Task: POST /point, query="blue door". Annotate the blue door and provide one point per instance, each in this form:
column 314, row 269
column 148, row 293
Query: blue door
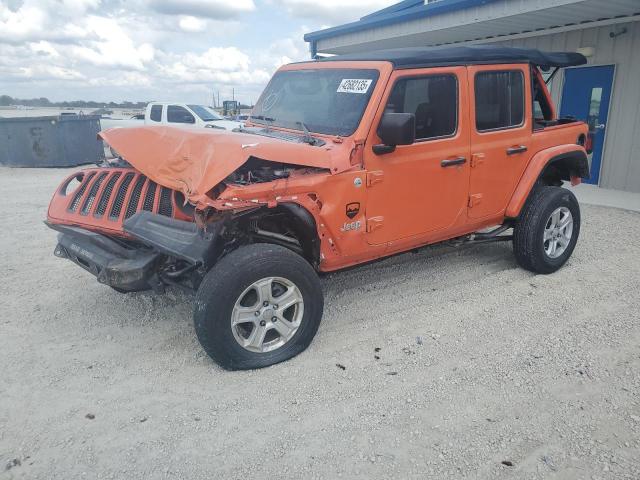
column 586, row 96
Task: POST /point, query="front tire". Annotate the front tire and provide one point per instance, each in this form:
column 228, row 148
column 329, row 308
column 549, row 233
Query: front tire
column 258, row 306
column 547, row 232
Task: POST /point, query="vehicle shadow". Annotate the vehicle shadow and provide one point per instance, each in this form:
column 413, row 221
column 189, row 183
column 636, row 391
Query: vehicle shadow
column 438, row 265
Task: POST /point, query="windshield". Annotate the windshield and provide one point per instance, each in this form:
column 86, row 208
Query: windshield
column 204, row 113
column 327, row 101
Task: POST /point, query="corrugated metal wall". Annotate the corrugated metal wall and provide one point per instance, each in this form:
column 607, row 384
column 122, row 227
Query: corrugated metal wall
column 621, row 156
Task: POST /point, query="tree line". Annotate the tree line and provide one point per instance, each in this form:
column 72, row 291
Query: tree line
column 6, row 101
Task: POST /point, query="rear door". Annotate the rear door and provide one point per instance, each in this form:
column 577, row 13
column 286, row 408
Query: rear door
column 422, row 187
column 500, row 135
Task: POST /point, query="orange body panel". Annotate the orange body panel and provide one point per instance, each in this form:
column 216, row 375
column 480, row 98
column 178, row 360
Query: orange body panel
column 366, row 206
column 493, row 179
column 415, row 195
column 531, row 174
column 107, row 197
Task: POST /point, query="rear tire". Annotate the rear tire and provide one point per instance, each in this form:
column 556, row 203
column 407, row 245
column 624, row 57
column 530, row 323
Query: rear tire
column 547, row 231
column 237, row 317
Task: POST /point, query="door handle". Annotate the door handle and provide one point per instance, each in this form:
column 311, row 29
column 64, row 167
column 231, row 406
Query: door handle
column 600, row 126
column 516, row 150
column 452, row 162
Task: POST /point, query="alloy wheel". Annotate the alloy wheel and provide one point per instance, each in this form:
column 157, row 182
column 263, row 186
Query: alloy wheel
column 267, row 314
column 558, row 231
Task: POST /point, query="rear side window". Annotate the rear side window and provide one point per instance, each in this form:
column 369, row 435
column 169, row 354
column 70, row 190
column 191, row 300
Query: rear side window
column 499, row 100
column 178, row 114
column 432, row 99
column 156, row 113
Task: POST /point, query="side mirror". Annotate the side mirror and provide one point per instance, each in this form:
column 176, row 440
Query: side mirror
column 396, row 129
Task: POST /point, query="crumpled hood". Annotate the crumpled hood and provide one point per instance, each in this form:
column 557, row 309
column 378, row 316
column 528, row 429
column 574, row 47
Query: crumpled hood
column 194, row 161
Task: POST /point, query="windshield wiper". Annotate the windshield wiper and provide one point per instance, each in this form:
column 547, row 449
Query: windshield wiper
column 262, row 117
column 307, row 134
column 269, row 120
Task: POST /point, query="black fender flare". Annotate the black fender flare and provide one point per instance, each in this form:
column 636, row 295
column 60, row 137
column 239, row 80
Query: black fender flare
column 567, row 165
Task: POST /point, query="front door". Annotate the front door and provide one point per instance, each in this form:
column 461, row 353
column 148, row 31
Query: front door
column 500, row 135
column 423, row 187
column 586, row 95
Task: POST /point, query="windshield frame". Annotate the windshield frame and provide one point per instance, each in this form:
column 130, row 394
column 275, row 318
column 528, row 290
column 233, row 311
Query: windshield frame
column 213, row 117
column 383, row 70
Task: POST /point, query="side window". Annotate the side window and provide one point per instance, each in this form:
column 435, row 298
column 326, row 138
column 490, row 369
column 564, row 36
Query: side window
column 178, row 114
column 434, row 101
column 499, row 100
column 156, row 113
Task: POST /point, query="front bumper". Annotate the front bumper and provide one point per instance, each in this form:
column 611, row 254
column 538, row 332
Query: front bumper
column 159, row 243
column 113, row 263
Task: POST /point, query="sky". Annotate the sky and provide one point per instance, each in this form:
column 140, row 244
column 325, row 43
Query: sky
column 163, row 50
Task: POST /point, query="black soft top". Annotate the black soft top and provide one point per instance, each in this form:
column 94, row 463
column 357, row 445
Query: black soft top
column 464, row 55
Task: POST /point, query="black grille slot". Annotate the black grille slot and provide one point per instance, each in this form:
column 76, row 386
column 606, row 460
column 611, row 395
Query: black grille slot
column 116, row 208
column 106, row 195
column 149, row 197
column 75, row 201
column 132, row 207
column 93, row 192
column 165, row 208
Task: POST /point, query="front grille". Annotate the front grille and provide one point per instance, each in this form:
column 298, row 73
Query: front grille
column 93, row 192
column 75, row 201
column 111, row 196
column 135, row 197
column 165, row 207
column 106, row 195
column 116, row 208
column 150, row 197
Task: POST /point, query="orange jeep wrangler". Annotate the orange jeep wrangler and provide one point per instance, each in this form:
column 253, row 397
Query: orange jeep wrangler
column 343, row 161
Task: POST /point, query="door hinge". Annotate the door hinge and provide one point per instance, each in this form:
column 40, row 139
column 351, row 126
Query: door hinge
column 477, row 159
column 374, row 177
column 475, row 199
column 374, row 223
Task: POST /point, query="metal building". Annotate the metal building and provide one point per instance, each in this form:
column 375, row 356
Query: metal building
column 606, row 92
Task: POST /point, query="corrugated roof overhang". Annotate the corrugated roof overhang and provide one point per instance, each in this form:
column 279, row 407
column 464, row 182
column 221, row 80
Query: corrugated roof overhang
column 414, row 23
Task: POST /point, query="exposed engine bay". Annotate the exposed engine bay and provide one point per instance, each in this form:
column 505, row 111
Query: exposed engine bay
column 256, row 170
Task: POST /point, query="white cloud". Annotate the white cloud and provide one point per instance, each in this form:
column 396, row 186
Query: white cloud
column 218, row 9
column 217, row 65
column 285, row 50
column 22, row 23
column 114, row 46
column 77, row 7
column 145, row 49
column 44, row 48
column 122, row 80
column 49, row 72
column 192, row 24
column 333, row 11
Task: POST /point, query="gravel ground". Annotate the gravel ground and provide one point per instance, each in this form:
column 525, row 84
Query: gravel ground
column 447, row 363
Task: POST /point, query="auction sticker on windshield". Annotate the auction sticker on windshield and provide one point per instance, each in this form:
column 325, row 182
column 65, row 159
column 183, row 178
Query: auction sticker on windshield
column 354, row 85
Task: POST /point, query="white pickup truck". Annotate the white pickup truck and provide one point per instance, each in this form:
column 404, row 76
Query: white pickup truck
column 159, row 113
column 176, row 114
